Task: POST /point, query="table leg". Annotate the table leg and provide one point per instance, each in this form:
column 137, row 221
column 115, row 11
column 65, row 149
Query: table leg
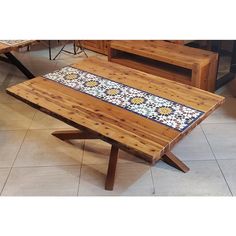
column 110, row 179
column 174, row 161
column 77, row 134
column 50, row 49
column 168, row 157
column 19, row 65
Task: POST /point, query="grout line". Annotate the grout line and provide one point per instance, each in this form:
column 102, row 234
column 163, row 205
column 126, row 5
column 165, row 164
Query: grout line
column 13, row 162
column 32, row 120
column 19, row 167
column 63, row 128
column 153, row 183
column 217, row 162
column 81, row 168
column 27, row 131
column 216, row 123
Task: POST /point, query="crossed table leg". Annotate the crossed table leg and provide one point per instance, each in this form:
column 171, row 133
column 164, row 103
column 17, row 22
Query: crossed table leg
column 10, row 58
column 168, row 157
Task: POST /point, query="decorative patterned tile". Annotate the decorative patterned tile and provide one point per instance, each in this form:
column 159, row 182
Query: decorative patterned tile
column 158, row 109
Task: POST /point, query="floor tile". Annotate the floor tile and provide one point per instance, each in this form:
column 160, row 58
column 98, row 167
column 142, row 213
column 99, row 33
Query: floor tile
column 203, row 179
column 44, row 121
column 12, row 80
column 43, row 181
column 9, row 75
column 40, row 148
column 224, row 114
column 5, row 69
column 133, row 179
column 97, row 152
column 228, row 90
column 15, row 115
column 228, row 168
column 40, row 49
column 65, row 59
column 10, row 142
column 6, row 98
column 188, row 147
column 222, row 139
column 39, row 65
column 3, row 176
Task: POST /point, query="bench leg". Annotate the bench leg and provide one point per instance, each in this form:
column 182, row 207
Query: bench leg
column 74, row 134
column 174, row 161
column 110, row 179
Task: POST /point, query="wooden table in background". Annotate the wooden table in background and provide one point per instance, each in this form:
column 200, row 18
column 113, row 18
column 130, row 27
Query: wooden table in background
column 10, row 58
column 123, row 129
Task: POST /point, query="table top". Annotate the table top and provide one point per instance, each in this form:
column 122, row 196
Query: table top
column 165, row 51
column 5, row 47
column 127, row 128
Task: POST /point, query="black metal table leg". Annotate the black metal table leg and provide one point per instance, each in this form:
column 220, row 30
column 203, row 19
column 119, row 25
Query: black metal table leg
column 74, row 47
column 75, row 50
column 49, row 49
column 61, row 50
column 229, row 76
column 19, row 65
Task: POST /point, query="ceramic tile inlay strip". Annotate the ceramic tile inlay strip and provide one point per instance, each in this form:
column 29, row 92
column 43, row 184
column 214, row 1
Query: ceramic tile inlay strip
column 153, row 107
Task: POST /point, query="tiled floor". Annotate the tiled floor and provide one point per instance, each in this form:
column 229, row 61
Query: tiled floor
column 32, row 162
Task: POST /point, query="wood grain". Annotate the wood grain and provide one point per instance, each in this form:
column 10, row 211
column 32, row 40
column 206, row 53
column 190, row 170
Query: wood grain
column 6, row 48
column 176, row 62
column 100, row 46
column 125, row 128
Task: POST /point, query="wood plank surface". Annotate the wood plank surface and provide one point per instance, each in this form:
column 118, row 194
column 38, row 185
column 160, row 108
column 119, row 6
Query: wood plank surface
column 164, row 51
column 131, row 130
column 191, row 66
column 8, row 48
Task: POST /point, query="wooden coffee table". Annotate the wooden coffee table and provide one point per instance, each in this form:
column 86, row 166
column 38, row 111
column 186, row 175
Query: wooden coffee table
column 132, row 110
column 6, row 46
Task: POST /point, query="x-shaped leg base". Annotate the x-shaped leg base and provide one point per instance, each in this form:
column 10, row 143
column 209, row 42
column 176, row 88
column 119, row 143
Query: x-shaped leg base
column 169, row 157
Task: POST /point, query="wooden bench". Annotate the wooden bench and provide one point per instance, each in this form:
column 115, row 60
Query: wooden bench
column 89, row 111
column 191, row 66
